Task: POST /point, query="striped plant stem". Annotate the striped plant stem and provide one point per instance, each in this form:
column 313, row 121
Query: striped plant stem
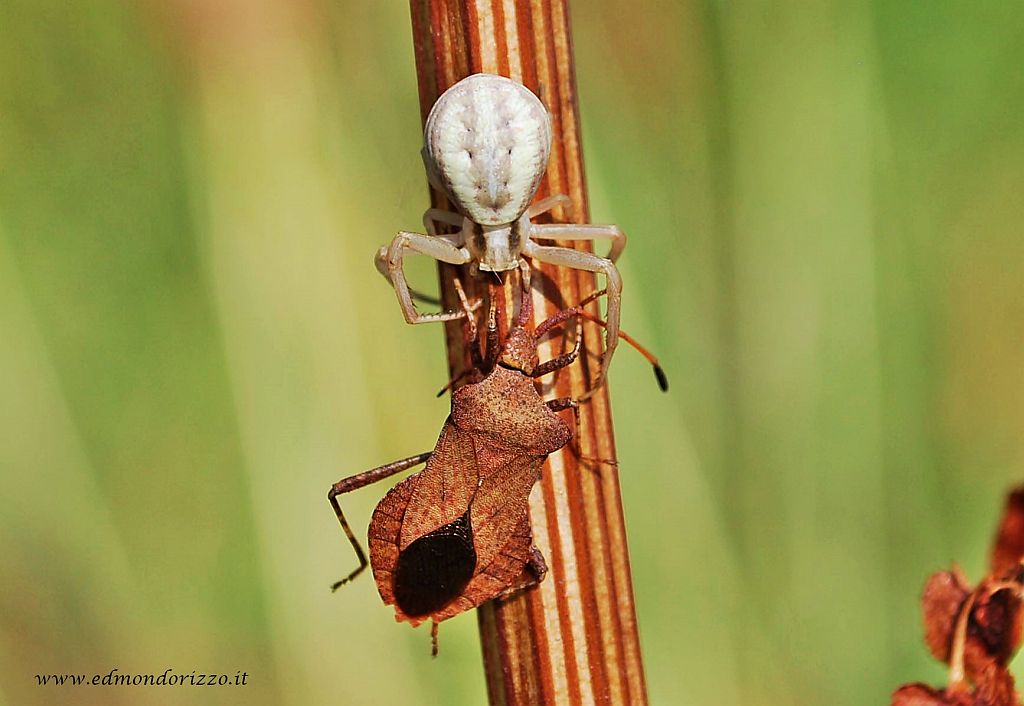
column 572, row 639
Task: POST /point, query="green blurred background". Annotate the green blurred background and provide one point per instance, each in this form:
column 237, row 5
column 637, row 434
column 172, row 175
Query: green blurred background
column 824, row 203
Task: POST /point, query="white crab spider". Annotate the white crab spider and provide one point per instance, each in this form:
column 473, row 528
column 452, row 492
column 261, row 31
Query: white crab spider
column 486, row 146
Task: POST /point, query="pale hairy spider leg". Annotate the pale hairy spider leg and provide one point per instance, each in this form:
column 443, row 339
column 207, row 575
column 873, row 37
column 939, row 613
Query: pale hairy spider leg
column 587, row 231
column 430, row 216
column 439, row 215
column 431, row 247
column 579, row 260
column 380, row 261
column 547, row 203
column 347, row 485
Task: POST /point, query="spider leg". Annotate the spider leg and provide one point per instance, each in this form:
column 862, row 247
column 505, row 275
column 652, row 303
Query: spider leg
column 547, row 203
column 587, row 231
column 390, row 261
column 430, row 217
column 438, row 215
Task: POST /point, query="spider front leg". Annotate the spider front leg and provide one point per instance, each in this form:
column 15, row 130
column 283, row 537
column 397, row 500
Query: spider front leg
column 579, row 260
column 431, row 217
column 390, row 262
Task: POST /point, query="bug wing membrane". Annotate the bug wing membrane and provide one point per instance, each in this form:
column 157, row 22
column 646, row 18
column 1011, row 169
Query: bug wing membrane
column 493, row 576
column 421, row 541
column 501, row 503
column 507, row 569
column 434, row 569
column 444, row 488
column 446, row 539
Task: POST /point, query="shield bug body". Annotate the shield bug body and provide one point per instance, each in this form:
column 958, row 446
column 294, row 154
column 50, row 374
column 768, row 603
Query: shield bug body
column 457, row 533
column 486, row 146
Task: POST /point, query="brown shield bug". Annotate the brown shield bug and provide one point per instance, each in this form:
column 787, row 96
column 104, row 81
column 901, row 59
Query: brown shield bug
column 457, row 533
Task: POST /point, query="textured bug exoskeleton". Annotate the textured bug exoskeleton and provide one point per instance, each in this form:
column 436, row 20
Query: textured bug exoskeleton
column 457, row 533
column 486, row 146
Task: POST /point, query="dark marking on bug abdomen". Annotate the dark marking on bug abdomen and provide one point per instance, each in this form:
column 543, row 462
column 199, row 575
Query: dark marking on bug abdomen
column 434, row 569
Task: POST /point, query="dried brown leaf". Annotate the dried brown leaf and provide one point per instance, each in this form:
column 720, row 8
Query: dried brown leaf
column 923, row 695
column 1008, row 548
column 976, row 631
column 995, row 687
column 994, row 631
column 941, row 600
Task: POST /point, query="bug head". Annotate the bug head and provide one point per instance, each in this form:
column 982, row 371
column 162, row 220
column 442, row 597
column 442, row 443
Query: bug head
column 486, row 146
column 520, row 351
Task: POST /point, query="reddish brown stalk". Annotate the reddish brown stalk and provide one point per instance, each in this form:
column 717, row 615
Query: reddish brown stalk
column 573, row 639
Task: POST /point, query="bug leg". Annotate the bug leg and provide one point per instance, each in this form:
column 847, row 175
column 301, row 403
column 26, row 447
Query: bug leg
column 390, row 262
column 525, row 294
column 547, row 203
column 347, row 485
column 577, row 259
column 537, row 565
column 586, row 231
column 453, row 383
column 558, row 317
column 492, row 347
column 566, row 314
column 561, row 403
column 565, row 359
column 533, row 573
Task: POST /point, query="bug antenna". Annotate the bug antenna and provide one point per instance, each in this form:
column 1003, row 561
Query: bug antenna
column 659, row 372
column 455, row 381
column 662, row 378
column 433, row 639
